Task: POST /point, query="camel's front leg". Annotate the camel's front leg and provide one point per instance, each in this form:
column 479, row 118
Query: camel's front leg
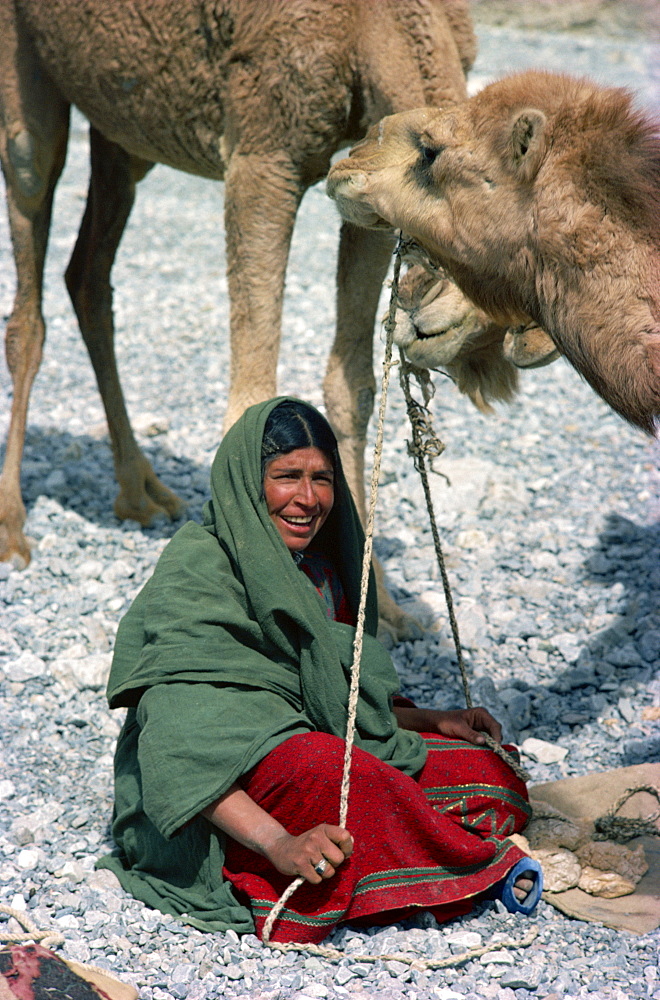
column 114, row 174
column 262, row 195
column 349, row 384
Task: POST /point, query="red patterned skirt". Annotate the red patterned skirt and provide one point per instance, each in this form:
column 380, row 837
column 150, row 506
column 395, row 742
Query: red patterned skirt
column 434, row 842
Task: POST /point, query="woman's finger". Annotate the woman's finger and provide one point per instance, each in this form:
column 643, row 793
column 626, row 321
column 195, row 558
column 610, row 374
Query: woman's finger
column 323, row 870
column 341, row 837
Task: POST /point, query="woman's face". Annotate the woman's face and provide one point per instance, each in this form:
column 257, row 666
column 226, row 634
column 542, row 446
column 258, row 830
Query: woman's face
column 299, row 491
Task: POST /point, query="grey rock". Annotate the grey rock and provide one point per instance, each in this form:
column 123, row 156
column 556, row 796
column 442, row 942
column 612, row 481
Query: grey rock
column 649, row 645
column 624, row 656
column 522, row 977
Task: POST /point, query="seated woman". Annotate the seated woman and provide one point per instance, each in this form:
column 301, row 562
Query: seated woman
column 234, row 664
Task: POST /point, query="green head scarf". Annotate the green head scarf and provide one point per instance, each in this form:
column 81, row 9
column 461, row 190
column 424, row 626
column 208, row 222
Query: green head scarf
column 227, row 604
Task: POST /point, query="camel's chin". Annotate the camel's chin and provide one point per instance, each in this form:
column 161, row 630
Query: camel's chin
column 424, row 355
column 429, row 352
column 348, row 193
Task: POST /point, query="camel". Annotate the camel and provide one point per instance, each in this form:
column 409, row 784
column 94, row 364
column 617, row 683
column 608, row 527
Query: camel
column 540, row 197
column 260, row 95
column 437, row 327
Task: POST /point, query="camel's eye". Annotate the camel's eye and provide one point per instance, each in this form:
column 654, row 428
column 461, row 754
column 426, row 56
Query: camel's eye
column 430, row 154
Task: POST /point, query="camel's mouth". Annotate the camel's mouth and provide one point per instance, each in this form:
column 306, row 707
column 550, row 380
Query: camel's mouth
column 349, row 191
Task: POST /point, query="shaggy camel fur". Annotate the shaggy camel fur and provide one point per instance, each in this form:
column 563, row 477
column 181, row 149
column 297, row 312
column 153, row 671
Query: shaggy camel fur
column 258, row 94
column 540, row 196
column 438, row 327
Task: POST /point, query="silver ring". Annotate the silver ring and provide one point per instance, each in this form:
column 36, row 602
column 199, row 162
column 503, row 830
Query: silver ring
column 321, row 866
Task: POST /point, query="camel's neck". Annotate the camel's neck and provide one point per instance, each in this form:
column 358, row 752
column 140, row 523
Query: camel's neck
column 606, row 323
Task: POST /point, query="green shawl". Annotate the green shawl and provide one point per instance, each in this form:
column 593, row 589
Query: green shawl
column 225, row 653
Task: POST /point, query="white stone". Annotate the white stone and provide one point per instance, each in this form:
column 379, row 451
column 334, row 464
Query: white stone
column 72, row 872
column 28, row 859
column 497, row 958
column 89, row 672
column 568, row 645
column 472, row 538
column 472, row 624
column 39, row 818
column 543, row 752
column 90, row 569
column 7, row 789
column 26, row 667
column 464, row 939
column 104, row 880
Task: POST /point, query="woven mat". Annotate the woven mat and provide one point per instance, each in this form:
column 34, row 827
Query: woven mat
column 587, row 798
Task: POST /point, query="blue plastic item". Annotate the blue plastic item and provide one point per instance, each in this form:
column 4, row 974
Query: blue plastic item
column 533, row 870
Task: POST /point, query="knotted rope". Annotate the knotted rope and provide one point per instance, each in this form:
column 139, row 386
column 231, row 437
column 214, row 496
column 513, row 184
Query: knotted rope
column 624, row 828
column 424, row 443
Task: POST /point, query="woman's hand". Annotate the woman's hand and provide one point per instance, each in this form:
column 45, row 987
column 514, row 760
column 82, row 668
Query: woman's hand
column 298, row 855
column 460, row 724
column 243, row 819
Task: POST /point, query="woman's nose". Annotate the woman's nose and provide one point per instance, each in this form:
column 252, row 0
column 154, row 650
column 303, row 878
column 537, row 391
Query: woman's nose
column 306, row 492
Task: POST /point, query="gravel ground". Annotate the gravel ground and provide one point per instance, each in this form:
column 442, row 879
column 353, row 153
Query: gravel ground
column 551, row 526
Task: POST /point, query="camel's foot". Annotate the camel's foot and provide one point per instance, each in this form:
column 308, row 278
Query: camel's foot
column 14, row 546
column 147, row 500
column 394, row 625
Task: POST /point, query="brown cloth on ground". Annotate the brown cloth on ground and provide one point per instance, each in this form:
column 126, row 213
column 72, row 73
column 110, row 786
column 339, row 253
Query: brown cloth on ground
column 31, row 971
column 586, row 799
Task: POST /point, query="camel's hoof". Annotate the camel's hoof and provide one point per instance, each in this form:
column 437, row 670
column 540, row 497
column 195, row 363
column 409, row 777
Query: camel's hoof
column 145, row 510
column 14, row 548
column 19, row 561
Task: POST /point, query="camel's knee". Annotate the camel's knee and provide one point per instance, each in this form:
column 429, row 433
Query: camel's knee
column 32, row 162
column 23, row 160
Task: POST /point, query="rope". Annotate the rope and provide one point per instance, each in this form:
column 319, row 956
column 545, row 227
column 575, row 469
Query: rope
column 354, row 689
column 624, row 828
column 425, row 443
column 49, row 939
column 335, row 955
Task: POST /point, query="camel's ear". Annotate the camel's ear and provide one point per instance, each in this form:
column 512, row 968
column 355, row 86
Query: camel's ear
column 527, row 143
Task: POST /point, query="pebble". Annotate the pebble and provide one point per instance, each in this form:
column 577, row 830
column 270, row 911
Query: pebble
column 542, row 751
column 550, row 526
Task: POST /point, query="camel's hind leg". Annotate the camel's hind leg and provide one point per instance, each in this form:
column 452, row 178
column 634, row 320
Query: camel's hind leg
column 114, row 175
column 34, row 123
column 349, row 384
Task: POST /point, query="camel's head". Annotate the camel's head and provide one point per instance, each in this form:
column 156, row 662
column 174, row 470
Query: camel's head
column 438, row 327
column 523, row 173
column 540, row 197
column 454, row 180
